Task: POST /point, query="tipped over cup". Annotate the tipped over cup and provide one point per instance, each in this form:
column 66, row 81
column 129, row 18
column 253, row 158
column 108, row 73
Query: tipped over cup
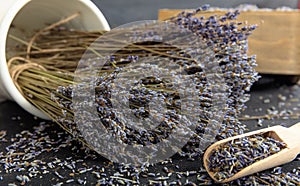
column 22, row 18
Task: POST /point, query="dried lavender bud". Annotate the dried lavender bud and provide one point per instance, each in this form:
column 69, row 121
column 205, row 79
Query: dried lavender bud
column 233, row 156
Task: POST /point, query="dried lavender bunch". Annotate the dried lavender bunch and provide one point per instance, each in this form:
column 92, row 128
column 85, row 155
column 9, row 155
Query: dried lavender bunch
column 228, row 39
column 233, row 156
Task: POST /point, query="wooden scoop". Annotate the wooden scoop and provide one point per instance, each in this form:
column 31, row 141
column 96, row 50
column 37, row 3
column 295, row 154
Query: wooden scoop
column 290, row 136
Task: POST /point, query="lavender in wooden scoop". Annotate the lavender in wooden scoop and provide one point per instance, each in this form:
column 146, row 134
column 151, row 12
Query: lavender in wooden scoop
column 235, row 155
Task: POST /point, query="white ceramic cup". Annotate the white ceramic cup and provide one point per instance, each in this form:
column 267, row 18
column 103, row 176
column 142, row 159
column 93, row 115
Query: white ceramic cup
column 22, row 17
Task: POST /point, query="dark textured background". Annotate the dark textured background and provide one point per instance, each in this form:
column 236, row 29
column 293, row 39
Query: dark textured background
column 119, row 12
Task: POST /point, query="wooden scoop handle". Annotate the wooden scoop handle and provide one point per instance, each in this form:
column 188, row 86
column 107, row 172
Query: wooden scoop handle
column 296, row 127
